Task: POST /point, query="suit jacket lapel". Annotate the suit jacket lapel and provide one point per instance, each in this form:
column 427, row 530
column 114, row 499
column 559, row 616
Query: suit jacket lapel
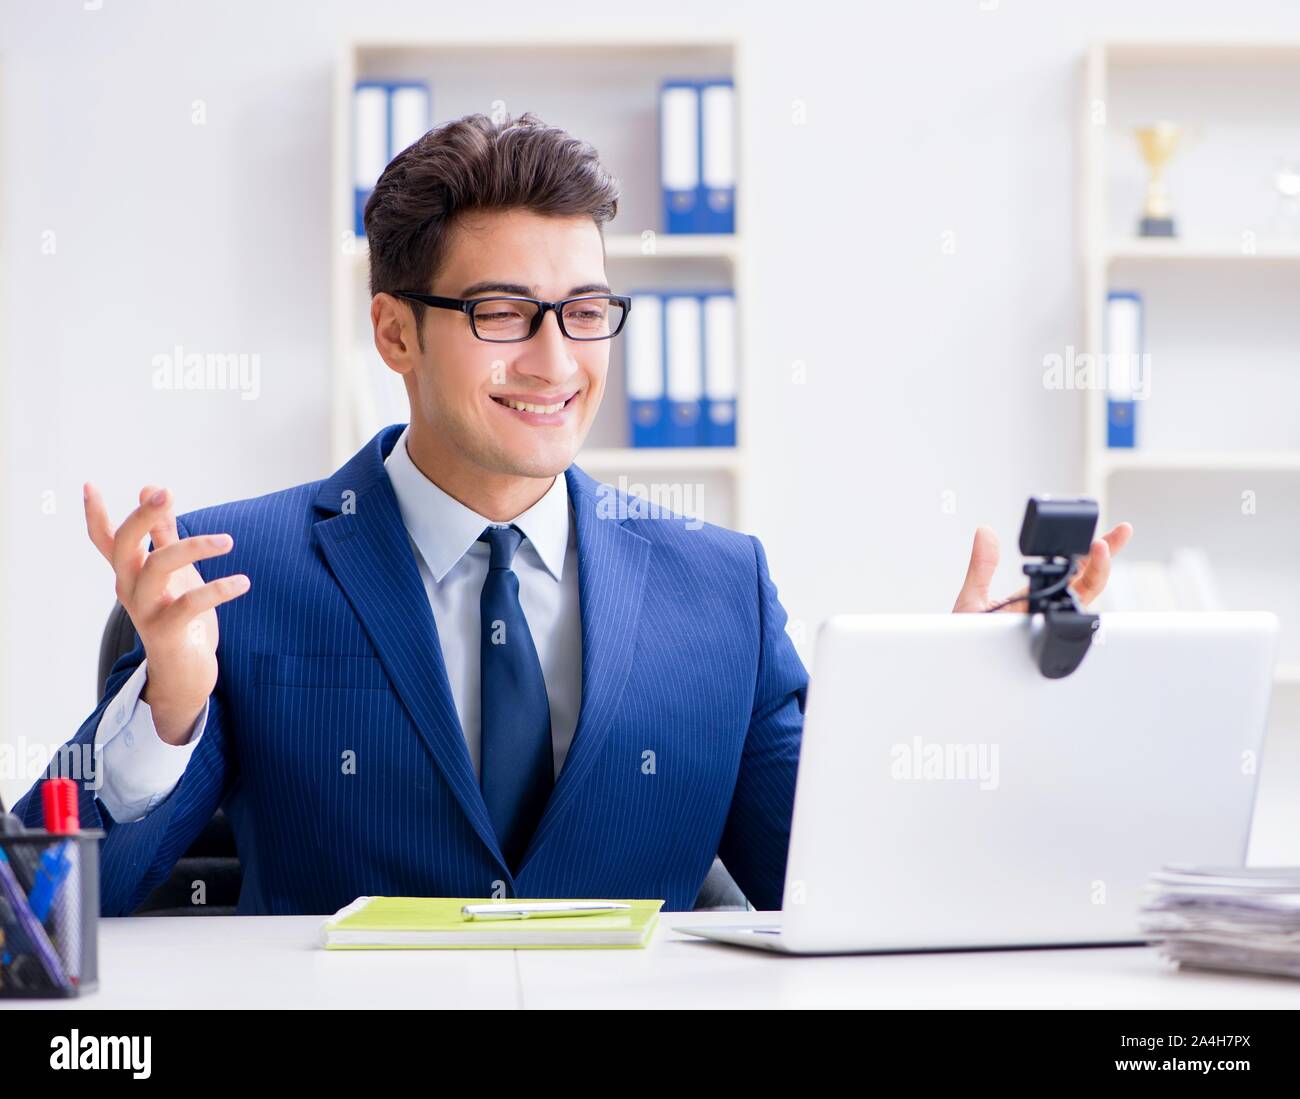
column 367, row 548
column 612, row 564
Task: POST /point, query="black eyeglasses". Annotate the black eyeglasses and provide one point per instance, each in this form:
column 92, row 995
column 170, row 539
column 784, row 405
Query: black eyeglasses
column 509, row 320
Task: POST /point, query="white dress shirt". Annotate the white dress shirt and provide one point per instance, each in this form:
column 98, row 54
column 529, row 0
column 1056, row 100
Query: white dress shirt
column 138, row 769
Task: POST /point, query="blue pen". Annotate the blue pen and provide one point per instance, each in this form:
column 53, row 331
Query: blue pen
column 55, row 867
column 50, row 874
column 31, row 926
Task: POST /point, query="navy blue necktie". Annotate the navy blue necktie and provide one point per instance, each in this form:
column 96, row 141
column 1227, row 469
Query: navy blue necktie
column 517, row 769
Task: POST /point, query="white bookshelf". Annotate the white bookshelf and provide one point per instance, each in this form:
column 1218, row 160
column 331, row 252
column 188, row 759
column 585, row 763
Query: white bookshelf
column 1182, row 461
column 1223, row 250
column 604, row 90
column 1223, row 328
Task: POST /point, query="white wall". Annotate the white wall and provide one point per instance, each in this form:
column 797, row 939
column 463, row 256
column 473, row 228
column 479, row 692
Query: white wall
column 922, row 119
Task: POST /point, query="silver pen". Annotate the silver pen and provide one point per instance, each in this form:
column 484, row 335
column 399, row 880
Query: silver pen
column 533, row 910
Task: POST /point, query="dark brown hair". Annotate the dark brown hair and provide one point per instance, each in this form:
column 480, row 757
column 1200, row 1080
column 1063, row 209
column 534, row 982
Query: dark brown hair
column 474, row 163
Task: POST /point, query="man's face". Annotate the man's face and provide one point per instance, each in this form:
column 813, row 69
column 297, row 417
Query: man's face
column 461, row 383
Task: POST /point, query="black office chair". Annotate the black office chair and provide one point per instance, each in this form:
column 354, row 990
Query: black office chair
column 213, row 859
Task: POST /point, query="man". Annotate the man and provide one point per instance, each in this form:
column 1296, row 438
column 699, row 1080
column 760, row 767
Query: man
column 454, row 668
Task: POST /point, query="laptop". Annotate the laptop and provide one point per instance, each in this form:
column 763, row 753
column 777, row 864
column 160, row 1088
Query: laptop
column 950, row 797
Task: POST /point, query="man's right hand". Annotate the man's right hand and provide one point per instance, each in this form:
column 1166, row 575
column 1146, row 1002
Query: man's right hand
column 169, row 604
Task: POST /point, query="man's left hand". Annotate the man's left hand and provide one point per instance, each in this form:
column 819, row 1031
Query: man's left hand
column 1088, row 582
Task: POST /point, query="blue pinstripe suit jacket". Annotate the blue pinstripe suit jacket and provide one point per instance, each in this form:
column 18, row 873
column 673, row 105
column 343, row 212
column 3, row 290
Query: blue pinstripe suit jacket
column 334, row 744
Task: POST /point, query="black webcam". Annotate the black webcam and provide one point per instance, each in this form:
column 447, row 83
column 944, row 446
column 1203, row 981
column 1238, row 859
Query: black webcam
column 1060, row 532
column 1058, row 528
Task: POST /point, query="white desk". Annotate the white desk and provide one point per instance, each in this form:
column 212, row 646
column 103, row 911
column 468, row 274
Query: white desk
column 276, row 962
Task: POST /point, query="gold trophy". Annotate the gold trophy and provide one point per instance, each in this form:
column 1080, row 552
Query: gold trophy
column 1157, row 142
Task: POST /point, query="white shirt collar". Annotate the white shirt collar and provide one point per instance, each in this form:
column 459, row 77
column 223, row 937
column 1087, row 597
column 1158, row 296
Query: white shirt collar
column 444, row 529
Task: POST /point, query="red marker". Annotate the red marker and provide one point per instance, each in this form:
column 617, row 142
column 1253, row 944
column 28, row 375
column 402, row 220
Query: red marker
column 59, row 801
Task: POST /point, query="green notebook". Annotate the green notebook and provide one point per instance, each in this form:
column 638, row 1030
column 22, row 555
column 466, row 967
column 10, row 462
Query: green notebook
column 435, row 923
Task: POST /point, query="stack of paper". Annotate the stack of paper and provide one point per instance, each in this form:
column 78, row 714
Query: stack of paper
column 1226, row 918
column 432, row 923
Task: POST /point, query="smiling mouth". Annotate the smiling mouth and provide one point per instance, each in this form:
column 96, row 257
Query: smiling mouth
column 526, row 406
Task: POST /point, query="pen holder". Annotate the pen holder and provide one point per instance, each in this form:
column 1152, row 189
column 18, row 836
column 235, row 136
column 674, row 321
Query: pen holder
column 49, row 914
